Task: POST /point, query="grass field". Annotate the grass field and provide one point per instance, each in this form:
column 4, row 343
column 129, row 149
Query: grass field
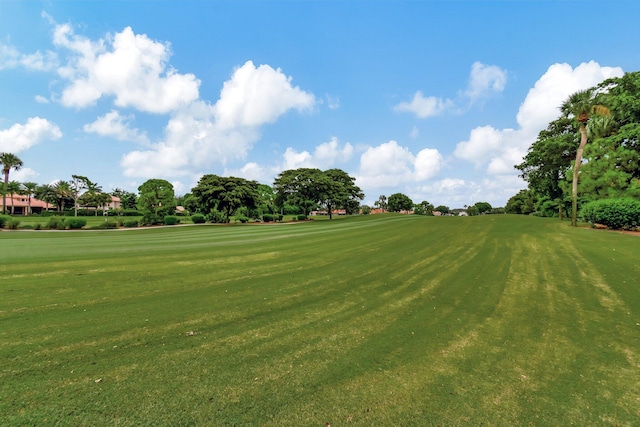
column 380, row 320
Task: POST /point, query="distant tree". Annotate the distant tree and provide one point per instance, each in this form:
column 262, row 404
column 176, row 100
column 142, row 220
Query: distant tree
column 156, row 201
column 338, row 189
column 225, row 194
column 399, row 202
column 366, row 210
column 522, row 203
column 8, row 161
column 128, row 200
column 29, row 189
column 298, row 187
column 63, row 193
column 423, row 208
column 13, row 187
column 77, row 186
column 483, row 207
column 266, row 202
column 442, row 209
column 381, row 203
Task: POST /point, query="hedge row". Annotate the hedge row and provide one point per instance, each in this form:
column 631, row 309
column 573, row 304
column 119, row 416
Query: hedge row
column 614, row 213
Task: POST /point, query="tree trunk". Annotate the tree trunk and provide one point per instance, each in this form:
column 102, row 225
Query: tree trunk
column 576, row 169
column 4, row 192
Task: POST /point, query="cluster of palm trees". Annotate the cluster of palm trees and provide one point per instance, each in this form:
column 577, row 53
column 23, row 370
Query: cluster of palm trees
column 80, row 189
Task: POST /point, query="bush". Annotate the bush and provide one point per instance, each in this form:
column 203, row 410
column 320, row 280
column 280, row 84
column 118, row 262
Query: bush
column 54, row 223
column 171, row 220
column 4, row 220
column 217, row 217
column 198, row 219
column 614, row 213
column 242, row 218
column 130, row 223
column 267, row 217
column 13, row 224
column 38, row 226
column 75, row 223
column 107, row 225
column 300, row 217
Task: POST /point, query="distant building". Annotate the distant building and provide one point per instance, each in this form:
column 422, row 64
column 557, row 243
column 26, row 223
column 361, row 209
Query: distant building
column 18, row 204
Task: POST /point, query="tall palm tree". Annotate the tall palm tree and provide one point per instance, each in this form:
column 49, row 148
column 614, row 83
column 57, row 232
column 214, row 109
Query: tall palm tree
column 29, row 189
column 13, row 188
column 582, row 106
column 63, row 191
column 9, row 161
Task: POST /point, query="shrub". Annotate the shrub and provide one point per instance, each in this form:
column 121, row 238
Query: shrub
column 267, row 217
column 301, row 217
column 38, row 226
column 242, row 218
column 26, row 227
column 130, row 223
column 171, row 220
column 54, row 223
column 75, row 223
column 217, row 217
column 13, row 224
column 614, row 213
column 105, row 225
column 198, row 219
column 4, row 220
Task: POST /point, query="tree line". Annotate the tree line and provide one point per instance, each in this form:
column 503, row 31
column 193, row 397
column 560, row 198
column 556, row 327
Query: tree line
column 591, row 152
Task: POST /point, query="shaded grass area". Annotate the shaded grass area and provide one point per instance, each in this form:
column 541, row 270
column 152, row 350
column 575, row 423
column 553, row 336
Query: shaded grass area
column 392, row 319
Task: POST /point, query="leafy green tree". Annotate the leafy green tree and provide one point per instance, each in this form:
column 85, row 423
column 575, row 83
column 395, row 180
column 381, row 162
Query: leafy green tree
column 299, row 187
column 77, row 185
column 156, row 200
column 8, row 161
column 29, row 189
column 442, row 209
column 128, row 200
column 581, row 106
column 522, row 203
column 398, row 202
column 548, row 160
column 225, row 194
column 366, row 209
column 266, row 202
column 483, row 207
column 338, row 189
column 423, row 208
column 381, row 203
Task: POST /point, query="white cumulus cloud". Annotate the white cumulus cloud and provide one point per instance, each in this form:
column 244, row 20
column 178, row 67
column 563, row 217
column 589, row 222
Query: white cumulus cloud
column 258, row 95
column 117, row 126
column 201, row 134
column 324, row 156
column 10, row 57
column 389, row 165
column 130, row 67
column 424, row 107
column 484, row 81
column 20, row 137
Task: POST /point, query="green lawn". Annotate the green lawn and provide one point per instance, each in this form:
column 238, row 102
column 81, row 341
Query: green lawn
column 377, row 320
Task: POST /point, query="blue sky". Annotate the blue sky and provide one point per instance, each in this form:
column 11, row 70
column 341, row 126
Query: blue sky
column 434, row 99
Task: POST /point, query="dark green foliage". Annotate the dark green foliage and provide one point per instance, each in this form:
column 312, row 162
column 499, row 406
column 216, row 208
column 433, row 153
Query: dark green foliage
column 216, row 217
column 107, row 225
column 156, row 201
column 366, row 210
column 13, row 224
column 267, row 218
column 299, row 217
column 130, row 223
column 55, row 223
column 399, row 202
column 75, row 223
column 614, row 213
column 225, row 194
column 198, row 219
column 4, row 220
column 242, row 218
column 171, row 220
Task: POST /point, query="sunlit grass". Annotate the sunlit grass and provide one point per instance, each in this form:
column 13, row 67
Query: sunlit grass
column 380, row 320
